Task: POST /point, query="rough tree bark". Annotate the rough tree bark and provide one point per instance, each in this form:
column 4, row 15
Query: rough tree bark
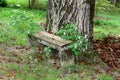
column 79, row 12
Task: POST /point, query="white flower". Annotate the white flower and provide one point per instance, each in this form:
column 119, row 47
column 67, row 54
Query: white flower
column 86, row 39
column 79, row 37
column 28, row 32
column 80, row 42
column 75, row 46
column 62, row 27
column 86, row 47
column 64, row 33
column 18, row 5
column 85, row 36
column 83, row 50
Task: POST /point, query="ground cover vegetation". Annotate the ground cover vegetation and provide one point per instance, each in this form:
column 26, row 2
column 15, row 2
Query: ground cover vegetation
column 17, row 61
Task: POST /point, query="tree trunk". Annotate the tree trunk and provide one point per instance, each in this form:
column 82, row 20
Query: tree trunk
column 29, row 3
column 34, row 4
column 118, row 3
column 113, row 1
column 79, row 12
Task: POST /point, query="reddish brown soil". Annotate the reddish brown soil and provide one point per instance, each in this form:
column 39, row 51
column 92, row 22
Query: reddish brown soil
column 108, row 50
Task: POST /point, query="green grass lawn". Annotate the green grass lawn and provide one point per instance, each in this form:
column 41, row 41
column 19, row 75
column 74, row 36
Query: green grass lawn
column 106, row 24
column 15, row 23
column 15, row 65
column 25, row 3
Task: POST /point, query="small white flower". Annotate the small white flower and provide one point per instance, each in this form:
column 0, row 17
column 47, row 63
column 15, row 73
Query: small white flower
column 83, row 50
column 86, row 47
column 75, row 46
column 85, row 36
column 18, row 5
column 79, row 37
column 80, row 42
column 86, row 39
column 28, row 32
column 64, row 33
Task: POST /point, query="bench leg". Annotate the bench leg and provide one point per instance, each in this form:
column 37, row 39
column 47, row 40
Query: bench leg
column 61, row 54
column 65, row 59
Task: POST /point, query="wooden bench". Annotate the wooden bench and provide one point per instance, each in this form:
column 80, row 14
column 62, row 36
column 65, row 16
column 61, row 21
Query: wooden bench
column 53, row 41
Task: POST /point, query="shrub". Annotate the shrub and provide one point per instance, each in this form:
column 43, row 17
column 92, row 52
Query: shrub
column 3, row 3
column 70, row 33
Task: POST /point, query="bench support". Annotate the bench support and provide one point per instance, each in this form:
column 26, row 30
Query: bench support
column 58, row 46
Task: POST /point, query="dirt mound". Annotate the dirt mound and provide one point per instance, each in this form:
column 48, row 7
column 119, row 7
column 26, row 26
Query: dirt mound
column 108, row 50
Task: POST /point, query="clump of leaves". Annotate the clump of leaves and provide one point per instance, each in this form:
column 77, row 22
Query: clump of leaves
column 69, row 32
column 47, row 50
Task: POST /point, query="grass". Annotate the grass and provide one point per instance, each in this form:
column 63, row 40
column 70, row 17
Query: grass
column 106, row 24
column 21, row 21
column 33, row 70
column 15, row 23
column 25, row 4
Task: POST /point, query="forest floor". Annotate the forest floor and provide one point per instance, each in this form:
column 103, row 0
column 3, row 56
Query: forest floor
column 108, row 50
column 18, row 63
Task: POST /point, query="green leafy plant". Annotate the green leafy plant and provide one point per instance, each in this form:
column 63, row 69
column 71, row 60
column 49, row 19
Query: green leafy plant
column 70, row 33
column 47, row 50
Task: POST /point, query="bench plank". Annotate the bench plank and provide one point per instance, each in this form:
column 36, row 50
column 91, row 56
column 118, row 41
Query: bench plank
column 53, row 39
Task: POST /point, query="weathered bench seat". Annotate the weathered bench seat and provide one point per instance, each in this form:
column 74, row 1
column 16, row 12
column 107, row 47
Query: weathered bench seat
column 53, row 41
